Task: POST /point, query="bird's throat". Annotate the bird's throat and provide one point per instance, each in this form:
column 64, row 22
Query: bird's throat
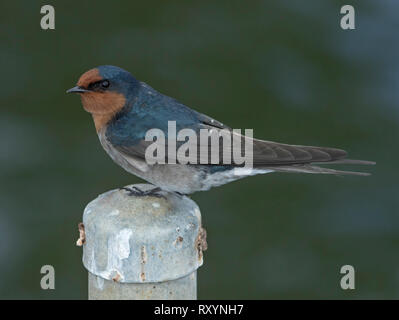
column 103, row 106
column 101, row 120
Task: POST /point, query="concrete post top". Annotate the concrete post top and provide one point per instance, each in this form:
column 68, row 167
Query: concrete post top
column 141, row 239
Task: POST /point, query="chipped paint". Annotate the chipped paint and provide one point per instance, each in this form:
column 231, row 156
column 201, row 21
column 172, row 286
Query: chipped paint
column 117, row 277
column 82, row 236
column 143, row 255
column 138, row 244
column 143, row 261
column 201, row 243
column 121, row 244
column 114, row 212
column 178, row 242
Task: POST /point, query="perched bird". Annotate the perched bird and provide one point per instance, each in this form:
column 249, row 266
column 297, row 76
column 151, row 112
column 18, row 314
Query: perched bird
column 124, row 109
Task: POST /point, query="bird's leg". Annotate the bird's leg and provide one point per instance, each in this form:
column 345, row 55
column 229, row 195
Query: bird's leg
column 134, row 191
column 153, row 192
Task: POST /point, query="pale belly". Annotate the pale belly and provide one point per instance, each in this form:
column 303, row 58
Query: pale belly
column 180, row 178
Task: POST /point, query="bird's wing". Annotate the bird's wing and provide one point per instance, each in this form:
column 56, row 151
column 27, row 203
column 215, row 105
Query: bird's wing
column 128, row 133
column 265, row 153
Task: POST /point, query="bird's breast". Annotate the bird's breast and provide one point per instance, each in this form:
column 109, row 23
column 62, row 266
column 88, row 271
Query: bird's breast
column 103, row 106
column 130, row 164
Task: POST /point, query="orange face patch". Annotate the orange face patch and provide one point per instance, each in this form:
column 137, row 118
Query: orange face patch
column 103, row 106
column 93, row 75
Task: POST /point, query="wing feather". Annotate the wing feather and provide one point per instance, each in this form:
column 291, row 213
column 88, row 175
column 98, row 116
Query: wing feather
column 266, row 154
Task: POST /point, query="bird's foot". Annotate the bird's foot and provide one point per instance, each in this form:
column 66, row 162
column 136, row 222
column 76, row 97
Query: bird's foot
column 134, row 191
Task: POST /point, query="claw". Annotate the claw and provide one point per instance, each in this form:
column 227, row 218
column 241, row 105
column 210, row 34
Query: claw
column 134, row 191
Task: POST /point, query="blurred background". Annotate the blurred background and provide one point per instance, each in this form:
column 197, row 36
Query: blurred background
column 284, row 68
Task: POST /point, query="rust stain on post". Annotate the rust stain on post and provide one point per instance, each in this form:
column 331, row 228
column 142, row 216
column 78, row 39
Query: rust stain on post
column 82, row 236
column 201, row 243
column 143, row 256
column 117, row 277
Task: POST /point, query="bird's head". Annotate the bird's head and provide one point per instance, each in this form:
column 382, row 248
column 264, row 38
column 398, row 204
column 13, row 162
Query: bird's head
column 105, row 91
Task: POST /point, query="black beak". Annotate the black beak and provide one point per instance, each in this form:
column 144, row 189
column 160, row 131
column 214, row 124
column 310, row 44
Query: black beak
column 77, row 89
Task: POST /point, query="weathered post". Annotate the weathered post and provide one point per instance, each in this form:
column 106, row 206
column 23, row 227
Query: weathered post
column 144, row 247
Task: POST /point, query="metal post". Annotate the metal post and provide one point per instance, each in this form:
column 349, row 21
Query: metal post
column 142, row 247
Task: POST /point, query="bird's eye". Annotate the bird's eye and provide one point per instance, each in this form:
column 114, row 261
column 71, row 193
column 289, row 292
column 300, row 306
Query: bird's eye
column 105, row 84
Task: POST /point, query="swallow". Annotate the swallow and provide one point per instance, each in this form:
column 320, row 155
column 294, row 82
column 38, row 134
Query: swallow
column 124, row 109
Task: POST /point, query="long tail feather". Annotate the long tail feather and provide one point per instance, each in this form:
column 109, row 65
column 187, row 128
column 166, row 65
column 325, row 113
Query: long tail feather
column 348, row 161
column 315, row 169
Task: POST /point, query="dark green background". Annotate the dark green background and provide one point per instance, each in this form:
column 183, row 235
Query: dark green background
column 284, row 68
